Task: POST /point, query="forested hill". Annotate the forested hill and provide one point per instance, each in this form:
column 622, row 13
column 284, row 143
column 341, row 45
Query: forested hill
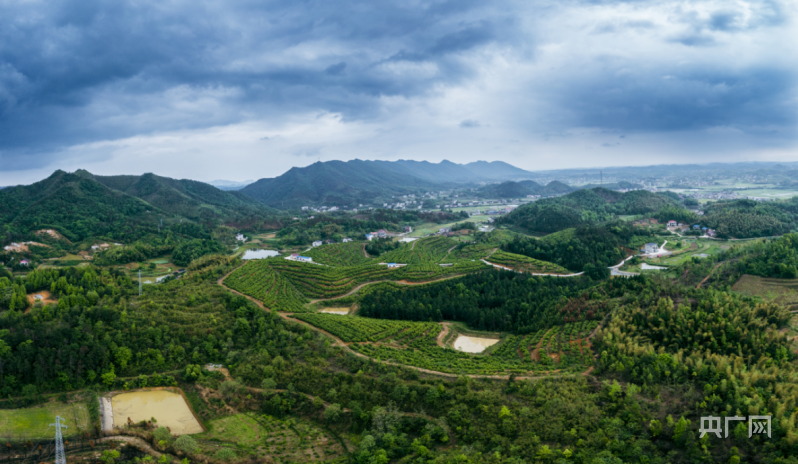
column 748, row 218
column 338, row 183
column 335, row 183
column 76, row 205
column 588, row 206
column 187, row 198
column 124, row 208
column 511, row 189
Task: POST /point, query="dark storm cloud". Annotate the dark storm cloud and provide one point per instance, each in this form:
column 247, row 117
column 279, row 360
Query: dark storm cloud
column 77, row 71
column 693, row 99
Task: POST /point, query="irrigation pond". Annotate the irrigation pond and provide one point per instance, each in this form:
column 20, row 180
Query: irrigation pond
column 167, row 407
column 469, row 344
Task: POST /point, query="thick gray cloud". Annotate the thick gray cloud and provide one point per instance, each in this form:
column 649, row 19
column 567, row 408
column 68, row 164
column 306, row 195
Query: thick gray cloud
column 92, row 82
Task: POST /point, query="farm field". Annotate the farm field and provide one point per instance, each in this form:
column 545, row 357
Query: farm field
column 264, row 436
column 339, row 254
column 526, row 264
column 428, row 250
column 781, row 291
column 257, row 279
column 414, row 344
column 316, row 281
column 34, row 423
column 361, row 329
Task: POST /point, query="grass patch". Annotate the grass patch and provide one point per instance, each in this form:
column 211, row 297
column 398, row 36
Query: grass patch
column 34, row 423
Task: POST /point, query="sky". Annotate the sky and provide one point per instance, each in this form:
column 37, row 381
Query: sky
column 241, row 90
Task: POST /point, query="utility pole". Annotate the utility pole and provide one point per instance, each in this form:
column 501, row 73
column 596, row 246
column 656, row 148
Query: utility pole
column 601, row 173
column 139, row 280
column 60, row 457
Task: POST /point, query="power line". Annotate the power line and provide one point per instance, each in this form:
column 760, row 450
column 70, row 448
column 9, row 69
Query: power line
column 60, row 457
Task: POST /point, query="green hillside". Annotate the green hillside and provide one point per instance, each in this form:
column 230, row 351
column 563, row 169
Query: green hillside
column 77, row 206
column 585, row 206
column 523, row 188
column 186, row 198
column 748, row 218
column 335, row 183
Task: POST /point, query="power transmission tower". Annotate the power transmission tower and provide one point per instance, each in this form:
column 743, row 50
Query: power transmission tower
column 601, row 173
column 139, row 281
column 60, row 457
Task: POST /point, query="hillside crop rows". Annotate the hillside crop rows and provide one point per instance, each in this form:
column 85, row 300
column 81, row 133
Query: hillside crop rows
column 475, row 251
column 258, row 280
column 361, row 329
column 526, row 264
column 326, row 282
column 427, row 250
column 417, row 345
column 339, row 254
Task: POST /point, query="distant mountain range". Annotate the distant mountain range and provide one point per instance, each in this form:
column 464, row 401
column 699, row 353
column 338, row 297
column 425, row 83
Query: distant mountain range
column 339, row 183
column 230, row 184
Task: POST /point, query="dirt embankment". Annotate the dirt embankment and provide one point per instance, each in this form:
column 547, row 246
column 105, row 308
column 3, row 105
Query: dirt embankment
column 46, row 298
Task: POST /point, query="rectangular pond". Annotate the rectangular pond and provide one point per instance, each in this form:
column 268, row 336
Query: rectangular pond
column 167, row 407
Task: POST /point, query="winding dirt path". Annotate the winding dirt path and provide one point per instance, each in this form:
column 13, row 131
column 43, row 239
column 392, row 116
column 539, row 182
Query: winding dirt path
column 708, row 275
column 535, row 354
column 365, row 253
column 443, row 334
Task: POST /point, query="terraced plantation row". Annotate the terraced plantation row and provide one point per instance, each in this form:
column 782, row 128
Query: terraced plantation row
column 327, row 282
column 427, row 250
column 475, row 251
column 258, row 280
column 339, row 254
column 353, row 329
column 526, row 264
column 414, row 344
column 557, row 341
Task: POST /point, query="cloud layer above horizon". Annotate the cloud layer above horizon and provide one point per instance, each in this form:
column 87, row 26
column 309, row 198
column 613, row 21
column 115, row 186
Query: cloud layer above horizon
column 237, row 90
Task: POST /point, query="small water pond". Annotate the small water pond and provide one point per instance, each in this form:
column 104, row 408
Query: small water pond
column 259, row 254
column 471, row 344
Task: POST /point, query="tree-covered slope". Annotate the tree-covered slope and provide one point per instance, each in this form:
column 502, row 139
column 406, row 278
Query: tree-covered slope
column 186, row 198
column 511, row 189
column 77, row 206
column 748, row 218
column 334, row 183
column 585, row 206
